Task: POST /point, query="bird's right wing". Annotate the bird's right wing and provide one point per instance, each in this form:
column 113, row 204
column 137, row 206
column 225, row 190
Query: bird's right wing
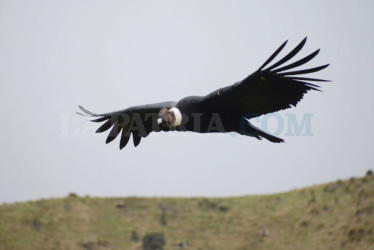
column 137, row 121
column 270, row 89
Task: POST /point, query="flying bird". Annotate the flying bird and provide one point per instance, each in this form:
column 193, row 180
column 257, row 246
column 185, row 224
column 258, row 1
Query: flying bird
column 229, row 109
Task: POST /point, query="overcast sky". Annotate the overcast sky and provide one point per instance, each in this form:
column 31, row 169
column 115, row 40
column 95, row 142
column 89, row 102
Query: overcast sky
column 108, row 55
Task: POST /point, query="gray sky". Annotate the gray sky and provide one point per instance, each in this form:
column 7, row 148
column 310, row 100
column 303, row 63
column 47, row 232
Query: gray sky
column 108, row 55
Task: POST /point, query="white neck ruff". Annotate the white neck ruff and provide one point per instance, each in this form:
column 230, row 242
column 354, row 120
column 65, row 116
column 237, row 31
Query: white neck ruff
column 178, row 117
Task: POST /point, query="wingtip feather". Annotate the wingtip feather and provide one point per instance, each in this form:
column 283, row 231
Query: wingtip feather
column 87, row 111
column 289, row 56
column 271, row 58
column 107, row 125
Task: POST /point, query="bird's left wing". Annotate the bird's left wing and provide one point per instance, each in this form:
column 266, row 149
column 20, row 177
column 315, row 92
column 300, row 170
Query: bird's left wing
column 268, row 89
column 137, row 121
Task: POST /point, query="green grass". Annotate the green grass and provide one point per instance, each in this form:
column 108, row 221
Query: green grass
column 338, row 215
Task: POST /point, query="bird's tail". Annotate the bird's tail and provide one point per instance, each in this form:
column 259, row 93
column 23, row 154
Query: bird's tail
column 251, row 130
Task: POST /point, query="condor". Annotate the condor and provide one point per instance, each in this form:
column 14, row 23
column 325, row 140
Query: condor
column 228, row 109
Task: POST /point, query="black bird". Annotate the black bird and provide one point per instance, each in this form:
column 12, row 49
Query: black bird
column 227, row 109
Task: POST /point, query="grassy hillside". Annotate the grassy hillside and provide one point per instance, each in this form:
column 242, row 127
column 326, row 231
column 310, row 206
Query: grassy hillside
column 338, row 215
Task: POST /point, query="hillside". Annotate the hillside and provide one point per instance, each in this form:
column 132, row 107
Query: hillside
column 338, row 215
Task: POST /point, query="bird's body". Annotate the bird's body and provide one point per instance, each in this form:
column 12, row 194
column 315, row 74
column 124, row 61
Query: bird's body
column 226, row 109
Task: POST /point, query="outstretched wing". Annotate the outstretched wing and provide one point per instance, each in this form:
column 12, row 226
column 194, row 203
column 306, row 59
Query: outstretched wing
column 137, row 121
column 269, row 89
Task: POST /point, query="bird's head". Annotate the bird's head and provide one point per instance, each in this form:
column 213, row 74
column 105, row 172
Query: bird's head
column 169, row 118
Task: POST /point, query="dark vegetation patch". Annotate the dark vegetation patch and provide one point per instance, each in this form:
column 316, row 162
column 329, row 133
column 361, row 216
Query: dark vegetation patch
column 153, row 241
column 359, row 234
column 95, row 245
column 208, row 205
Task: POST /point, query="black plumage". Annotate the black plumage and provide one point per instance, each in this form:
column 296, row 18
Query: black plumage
column 228, row 109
